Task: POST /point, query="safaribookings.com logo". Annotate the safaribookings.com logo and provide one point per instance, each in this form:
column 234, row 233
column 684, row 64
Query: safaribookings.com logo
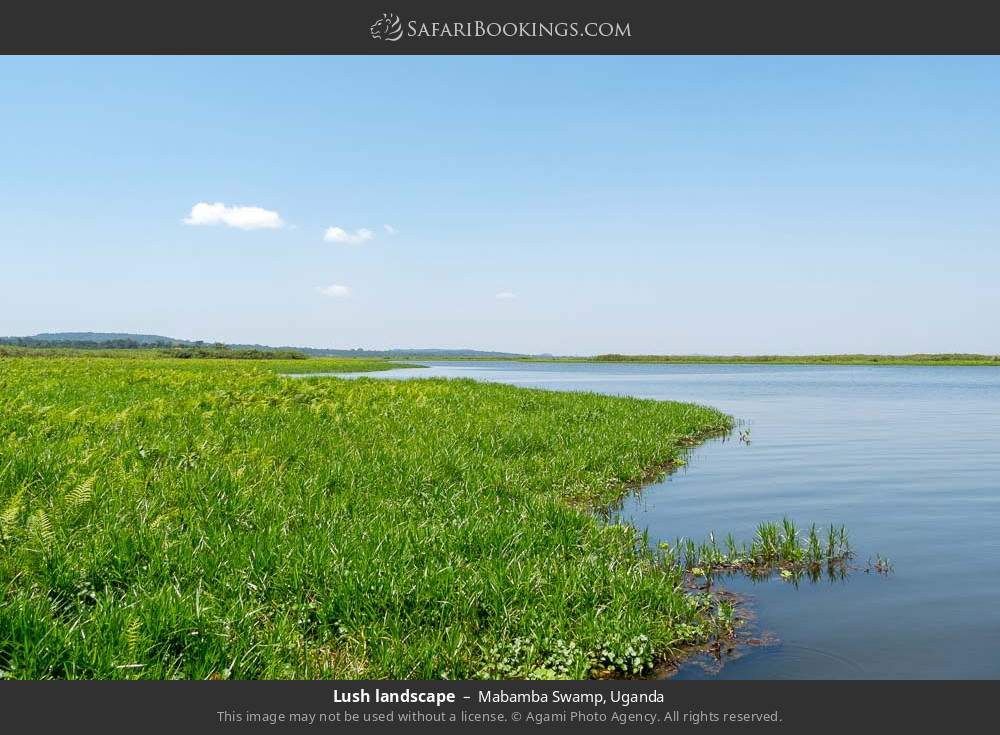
column 390, row 28
column 387, row 28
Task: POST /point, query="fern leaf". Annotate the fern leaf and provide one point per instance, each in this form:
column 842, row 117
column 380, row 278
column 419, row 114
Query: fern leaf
column 132, row 634
column 40, row 526
column 11, row 512
column 80, row 494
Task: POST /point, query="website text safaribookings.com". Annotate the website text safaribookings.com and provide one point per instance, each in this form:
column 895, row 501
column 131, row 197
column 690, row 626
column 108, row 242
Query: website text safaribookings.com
column 531, row 29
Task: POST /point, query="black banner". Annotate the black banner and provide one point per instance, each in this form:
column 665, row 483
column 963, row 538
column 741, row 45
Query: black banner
column 513, row 27
column 610, row 706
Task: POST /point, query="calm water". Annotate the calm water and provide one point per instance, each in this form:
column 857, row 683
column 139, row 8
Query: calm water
column 908, row 458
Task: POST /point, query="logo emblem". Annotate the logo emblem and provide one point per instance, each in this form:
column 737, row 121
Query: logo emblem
column 387, row 28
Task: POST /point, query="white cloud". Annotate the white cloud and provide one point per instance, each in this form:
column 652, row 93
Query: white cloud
column 506, row 295
column 390, row 229
column 243, row 218
column 335, row 291
column 338, row 234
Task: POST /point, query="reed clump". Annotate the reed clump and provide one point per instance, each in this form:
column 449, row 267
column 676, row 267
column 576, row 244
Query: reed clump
column 776, row 548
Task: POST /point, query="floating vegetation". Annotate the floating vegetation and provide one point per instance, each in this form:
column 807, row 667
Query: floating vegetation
column 880, row 565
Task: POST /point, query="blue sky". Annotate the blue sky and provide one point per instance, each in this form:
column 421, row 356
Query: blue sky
column 555, row 204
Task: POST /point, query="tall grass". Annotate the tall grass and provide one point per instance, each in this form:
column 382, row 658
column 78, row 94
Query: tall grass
column 164, row 518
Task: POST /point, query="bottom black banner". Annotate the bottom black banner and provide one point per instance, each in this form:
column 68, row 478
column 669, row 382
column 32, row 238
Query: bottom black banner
column 651, row 706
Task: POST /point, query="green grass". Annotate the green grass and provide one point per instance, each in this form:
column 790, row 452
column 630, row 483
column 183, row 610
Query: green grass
column 944, row 359
column 165, row 518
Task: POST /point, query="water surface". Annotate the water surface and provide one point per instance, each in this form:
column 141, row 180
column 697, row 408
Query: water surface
column 908, row 458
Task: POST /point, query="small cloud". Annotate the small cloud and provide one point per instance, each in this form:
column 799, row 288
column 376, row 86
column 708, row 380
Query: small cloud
column 338, row 234
column 390, row 229
column 506, row 295
column 335, row 291
column 243, row 218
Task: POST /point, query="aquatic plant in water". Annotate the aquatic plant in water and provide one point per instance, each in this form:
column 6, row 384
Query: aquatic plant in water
column 776, row 547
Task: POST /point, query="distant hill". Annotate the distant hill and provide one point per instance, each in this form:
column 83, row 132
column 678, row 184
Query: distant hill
column 142, row 339
column 127, row 340
column 93, row 340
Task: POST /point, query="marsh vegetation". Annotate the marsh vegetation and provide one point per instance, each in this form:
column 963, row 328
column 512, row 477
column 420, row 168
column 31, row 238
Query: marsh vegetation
column 164, row 518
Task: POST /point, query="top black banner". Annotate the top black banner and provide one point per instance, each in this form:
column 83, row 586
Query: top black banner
column 511, row 27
